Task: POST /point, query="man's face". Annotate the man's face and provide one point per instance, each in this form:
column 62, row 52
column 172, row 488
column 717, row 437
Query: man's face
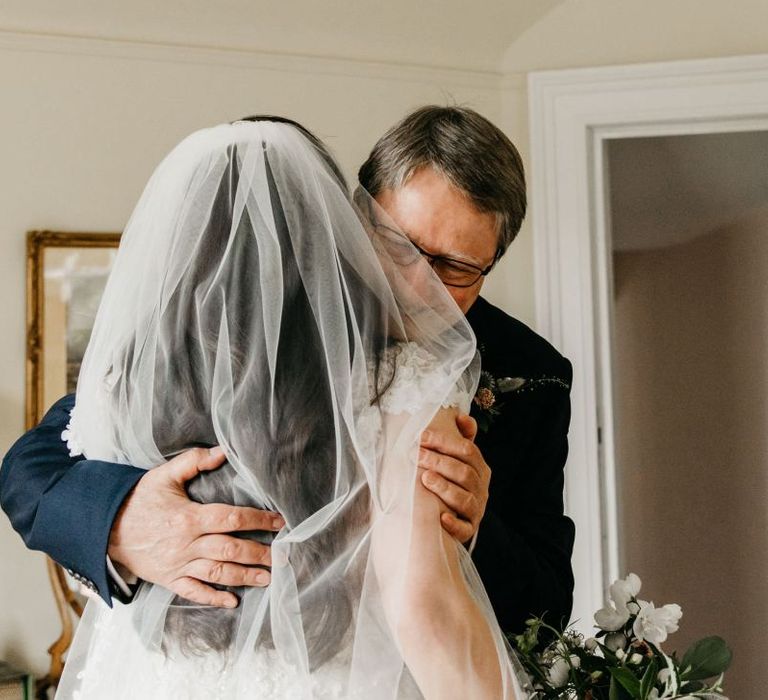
column 442, row 220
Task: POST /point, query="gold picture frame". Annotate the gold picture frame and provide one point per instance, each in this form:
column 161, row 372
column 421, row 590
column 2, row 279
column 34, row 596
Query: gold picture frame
column 58, row 327
column 39, row 243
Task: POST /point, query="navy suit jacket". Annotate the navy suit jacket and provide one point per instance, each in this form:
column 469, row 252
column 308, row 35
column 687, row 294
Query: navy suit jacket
column 66, row 506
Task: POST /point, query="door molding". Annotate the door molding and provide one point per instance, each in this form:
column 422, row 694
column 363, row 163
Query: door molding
column 572, row 114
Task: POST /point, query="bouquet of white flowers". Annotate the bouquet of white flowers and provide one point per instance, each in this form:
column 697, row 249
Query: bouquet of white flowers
column 624, row 660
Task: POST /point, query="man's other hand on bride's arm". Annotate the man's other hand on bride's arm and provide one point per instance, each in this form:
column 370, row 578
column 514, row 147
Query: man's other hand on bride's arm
column 455, row 471
column 163, row 537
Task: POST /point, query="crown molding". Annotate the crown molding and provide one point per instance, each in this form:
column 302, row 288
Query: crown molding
column 250, row 59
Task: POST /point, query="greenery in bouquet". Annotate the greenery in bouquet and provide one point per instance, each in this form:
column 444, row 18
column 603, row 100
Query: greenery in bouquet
column 624, row 660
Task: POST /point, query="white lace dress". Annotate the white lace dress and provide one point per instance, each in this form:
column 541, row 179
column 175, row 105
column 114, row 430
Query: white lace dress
column 107, row 637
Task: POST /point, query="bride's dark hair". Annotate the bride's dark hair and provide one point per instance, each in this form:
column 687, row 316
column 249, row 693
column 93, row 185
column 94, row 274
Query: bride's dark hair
column 297, row 442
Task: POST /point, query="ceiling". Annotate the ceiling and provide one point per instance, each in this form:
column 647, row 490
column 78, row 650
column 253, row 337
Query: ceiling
column 669, row 190
column 444, row 33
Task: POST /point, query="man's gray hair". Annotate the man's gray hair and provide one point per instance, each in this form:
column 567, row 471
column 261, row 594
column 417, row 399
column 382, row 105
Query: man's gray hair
column 465, row 147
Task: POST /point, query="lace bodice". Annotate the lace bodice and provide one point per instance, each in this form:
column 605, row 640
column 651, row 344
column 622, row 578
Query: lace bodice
column 415, row 373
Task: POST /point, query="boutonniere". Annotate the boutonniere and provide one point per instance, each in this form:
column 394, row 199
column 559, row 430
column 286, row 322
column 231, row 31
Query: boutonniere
column 485, row 401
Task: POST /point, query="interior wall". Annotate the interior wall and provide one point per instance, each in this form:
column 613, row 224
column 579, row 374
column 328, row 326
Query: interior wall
column 83, row 125
column 691, row 370
column 581, row 33
column 588, row 33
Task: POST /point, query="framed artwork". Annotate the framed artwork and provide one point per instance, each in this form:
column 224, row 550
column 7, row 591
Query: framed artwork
column 66, row 275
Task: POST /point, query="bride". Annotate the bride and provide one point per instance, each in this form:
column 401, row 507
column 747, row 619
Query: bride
column 254, row 305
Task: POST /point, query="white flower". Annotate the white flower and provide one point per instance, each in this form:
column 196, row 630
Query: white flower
column 557, row 675
column 653, row 625
column 590, row 644
column 635, row 659
column 616, row 641
column 620, row 654
column 610, row 619
column 623, row 590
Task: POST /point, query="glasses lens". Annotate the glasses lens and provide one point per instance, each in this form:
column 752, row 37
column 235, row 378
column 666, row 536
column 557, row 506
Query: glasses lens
column 397, row 246
column 456, row 274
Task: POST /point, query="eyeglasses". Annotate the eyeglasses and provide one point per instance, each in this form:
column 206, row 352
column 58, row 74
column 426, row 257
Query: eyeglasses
column 452, row 272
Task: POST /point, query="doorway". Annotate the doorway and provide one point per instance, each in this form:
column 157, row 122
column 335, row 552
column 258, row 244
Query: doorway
column 689, row 242
column 640, row 504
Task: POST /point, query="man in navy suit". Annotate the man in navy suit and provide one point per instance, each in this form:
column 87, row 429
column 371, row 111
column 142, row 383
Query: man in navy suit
column 455, row 185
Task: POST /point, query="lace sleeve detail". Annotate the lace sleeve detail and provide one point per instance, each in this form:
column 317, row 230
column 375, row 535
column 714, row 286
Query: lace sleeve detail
column 69, row 435
column 415, row 371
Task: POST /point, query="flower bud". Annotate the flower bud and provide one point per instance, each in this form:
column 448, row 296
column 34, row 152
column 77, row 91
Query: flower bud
column 635, row 658
column 590, row 644
column 616, row 640
column 620, row 654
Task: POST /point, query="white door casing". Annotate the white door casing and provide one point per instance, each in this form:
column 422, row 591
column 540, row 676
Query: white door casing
column 572, row 114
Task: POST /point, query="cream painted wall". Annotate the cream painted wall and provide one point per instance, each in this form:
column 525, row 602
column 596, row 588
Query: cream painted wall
column 82, row 126
column 580, row 33
column 692, row 451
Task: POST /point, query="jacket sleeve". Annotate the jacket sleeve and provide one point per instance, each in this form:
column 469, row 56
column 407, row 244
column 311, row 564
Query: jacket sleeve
column 61, row 505
column 525, row 542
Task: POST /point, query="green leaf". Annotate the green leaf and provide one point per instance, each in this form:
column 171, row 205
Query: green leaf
column 627, row 679
column 706, row 658
column 649, row 679
column 692, row 686
column 616, row 691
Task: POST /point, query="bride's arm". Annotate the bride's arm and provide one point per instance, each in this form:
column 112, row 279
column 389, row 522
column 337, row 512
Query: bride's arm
column 445, row 638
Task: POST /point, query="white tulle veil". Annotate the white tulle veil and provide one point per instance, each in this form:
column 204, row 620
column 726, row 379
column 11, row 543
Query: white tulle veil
column 254, row 305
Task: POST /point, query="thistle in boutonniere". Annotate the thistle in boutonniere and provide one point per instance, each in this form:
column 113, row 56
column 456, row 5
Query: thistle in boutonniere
column 486, row 401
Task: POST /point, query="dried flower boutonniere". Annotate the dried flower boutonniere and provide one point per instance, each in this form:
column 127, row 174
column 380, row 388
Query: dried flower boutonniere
column 486, row 402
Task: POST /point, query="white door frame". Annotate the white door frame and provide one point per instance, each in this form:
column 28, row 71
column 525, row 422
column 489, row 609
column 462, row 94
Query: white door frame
column 572, row 113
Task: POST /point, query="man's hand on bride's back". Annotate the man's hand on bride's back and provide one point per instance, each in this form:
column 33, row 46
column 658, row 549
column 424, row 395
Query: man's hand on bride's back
column 162, row 536
column 456, row 472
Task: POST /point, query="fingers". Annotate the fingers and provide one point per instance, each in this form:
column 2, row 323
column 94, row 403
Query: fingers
column 189, row 464
column 198, row 592
column 233, row 549
column 467, row 426
column 462, row 530
column 462, row 502
column 452, row 469
column 458, row 447
column 227, row 574
column 219, row 518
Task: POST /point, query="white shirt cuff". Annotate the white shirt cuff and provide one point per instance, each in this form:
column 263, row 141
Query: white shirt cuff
column 120, row 582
